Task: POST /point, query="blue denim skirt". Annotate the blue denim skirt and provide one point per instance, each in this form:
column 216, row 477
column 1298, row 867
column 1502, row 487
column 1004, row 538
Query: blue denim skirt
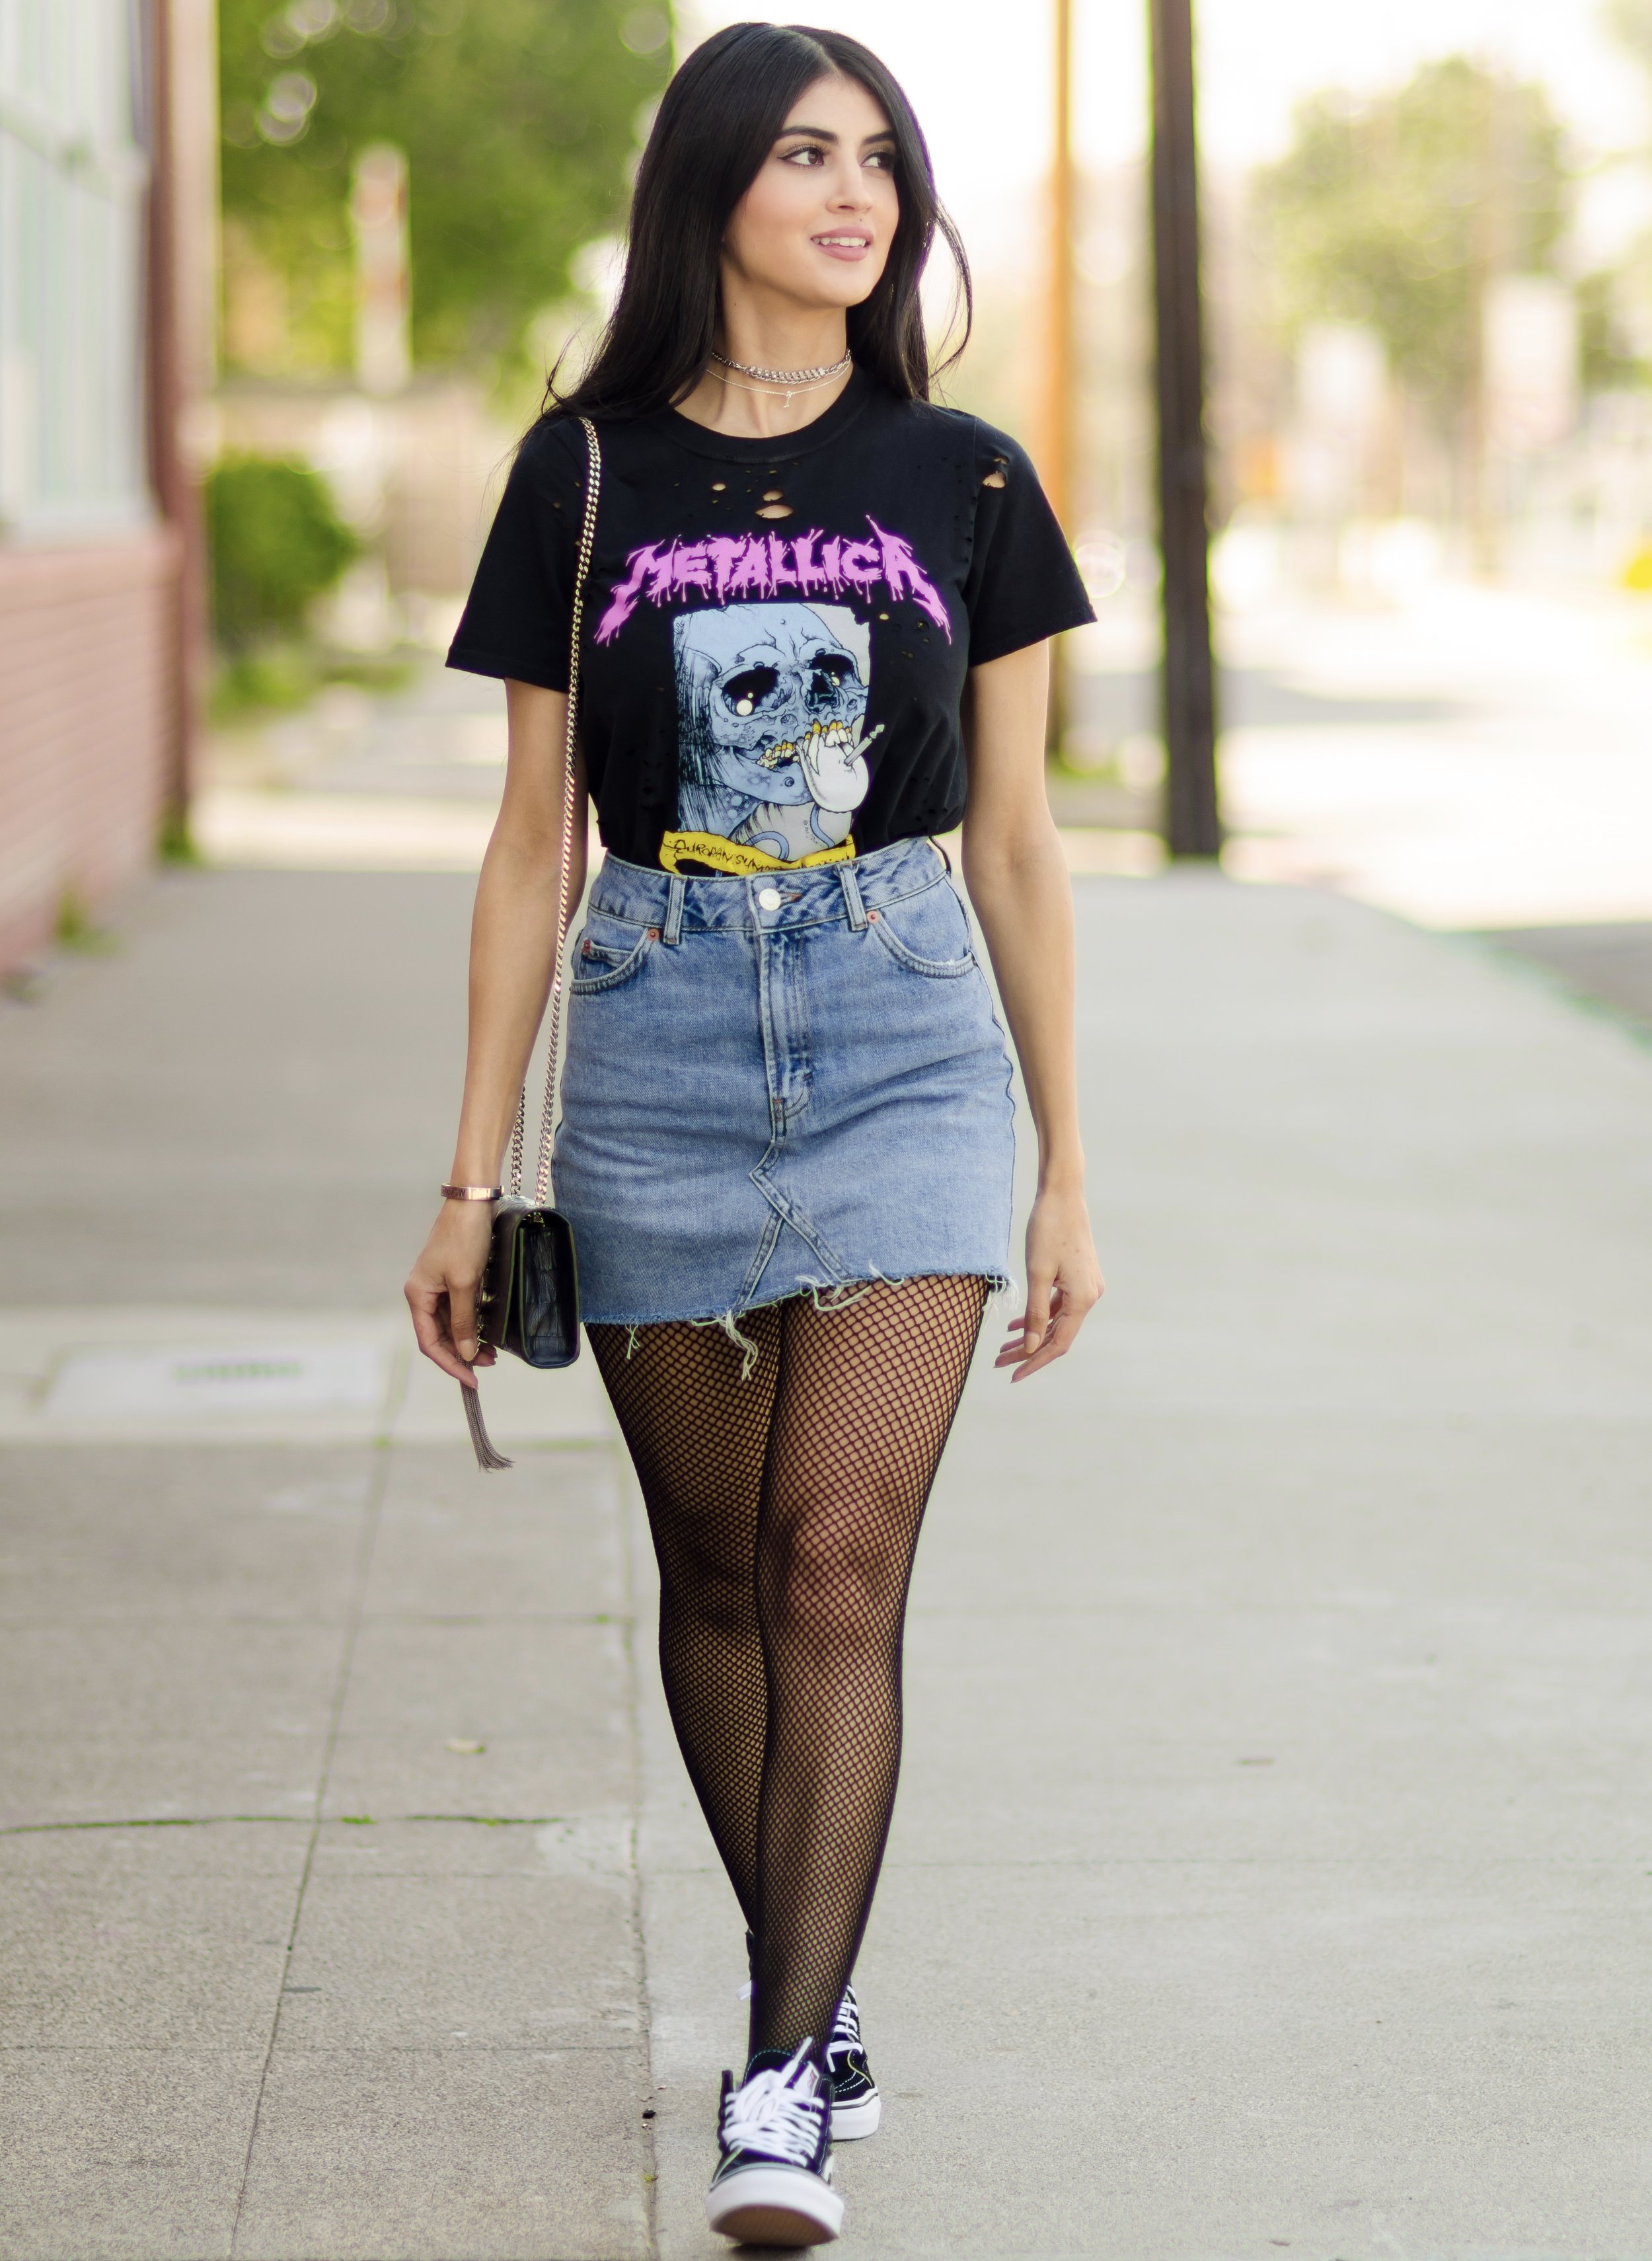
column 779, row 1084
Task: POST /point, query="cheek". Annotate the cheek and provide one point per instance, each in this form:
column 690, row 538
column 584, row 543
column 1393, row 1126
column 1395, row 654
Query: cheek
column 769, row 214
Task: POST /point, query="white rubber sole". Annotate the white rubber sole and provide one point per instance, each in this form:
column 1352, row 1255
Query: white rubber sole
column 775, row 2205
column 850, row 2122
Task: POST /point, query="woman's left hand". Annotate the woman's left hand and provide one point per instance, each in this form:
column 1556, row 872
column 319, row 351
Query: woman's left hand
column 1063, row 1283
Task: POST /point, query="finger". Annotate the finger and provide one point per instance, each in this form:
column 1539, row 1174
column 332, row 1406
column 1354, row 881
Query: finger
column 427, row 1306
column 461, row 1318
column 1035, row 1320
column 1032, row 1332
column 1056, row 1345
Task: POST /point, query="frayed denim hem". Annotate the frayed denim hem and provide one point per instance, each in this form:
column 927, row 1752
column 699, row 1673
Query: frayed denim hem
column 827, row 1297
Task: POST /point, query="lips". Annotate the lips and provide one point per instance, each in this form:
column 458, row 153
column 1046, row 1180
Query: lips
column 844, row 246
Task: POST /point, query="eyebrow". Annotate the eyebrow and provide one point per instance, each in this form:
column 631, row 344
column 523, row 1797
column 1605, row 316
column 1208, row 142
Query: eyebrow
column 825, row 133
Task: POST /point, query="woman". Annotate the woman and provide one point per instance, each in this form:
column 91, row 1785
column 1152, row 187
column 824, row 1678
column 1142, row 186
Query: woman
column 816, row 633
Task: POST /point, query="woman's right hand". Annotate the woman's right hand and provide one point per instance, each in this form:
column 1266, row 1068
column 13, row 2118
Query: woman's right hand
column 441, row 1288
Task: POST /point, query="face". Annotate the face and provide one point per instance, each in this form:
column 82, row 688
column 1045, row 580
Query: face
column 757, row 679
column 816, row 223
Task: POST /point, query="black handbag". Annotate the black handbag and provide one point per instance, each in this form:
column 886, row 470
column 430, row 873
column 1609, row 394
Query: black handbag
column 529, row 1301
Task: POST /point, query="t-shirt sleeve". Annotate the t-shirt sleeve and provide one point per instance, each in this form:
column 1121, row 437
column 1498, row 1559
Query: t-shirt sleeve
column 516, row 620
column 1023, row 584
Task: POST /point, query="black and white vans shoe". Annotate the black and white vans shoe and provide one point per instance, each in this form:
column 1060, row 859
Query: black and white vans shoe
column 774, row 2181
column 857, row 2107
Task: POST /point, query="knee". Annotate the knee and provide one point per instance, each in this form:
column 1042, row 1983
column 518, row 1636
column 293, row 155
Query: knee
column 711, row 1596
column 832, row 1583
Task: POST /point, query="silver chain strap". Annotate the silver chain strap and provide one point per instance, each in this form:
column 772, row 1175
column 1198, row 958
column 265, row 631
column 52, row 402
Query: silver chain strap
column 547, row 1122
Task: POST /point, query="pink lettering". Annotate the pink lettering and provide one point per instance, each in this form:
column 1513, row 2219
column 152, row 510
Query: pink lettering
column 902, row 572
column 622, row 597
column 722, row 549
column 659, row 575
column 861, row 567
column 691, row 569
column 722, row 567
column 749, row 576
column 808, row 572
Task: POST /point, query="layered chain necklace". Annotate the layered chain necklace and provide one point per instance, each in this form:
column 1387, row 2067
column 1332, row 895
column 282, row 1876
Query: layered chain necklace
column 794, row 380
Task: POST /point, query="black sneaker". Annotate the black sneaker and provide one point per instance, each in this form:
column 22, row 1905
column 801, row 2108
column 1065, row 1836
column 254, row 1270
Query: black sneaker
column 774, row 2181
column 857, row 2107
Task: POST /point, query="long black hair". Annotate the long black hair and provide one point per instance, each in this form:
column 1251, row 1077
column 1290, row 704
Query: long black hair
column 718, row 119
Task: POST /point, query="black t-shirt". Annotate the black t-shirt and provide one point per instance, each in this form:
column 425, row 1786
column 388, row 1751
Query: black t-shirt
column 777, row 631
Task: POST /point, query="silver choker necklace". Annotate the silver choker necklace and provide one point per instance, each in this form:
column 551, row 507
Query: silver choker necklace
column 796, row 378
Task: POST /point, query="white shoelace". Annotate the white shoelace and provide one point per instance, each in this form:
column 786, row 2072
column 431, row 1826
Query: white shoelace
column 769, row 2114
column 845, row 2030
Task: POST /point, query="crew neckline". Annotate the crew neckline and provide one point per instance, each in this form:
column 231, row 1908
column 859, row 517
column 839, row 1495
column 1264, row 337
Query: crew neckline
column 779, row 447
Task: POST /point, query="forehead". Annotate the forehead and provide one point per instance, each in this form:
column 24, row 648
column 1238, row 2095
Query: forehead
column 841, row 105
column 749, row 634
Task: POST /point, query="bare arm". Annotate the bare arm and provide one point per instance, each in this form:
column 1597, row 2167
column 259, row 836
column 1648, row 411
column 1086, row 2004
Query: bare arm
column 1018, row 885
column 512, row 936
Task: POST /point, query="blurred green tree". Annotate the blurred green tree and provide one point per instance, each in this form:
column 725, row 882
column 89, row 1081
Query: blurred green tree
column 1395, row 211
column 517, row 116
column 1617, row 300
column 276, row 542
column 1630, row 22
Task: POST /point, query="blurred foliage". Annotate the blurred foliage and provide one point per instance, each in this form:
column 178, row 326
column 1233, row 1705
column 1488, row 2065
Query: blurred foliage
column 276, row 544
column 1607, row 349
column 1393, row 211
column 1617, row 304
column 285, row 672
column 1630, row 22
column 517, row 118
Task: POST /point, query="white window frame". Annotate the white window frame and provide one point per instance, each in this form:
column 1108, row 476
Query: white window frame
column 73, row 175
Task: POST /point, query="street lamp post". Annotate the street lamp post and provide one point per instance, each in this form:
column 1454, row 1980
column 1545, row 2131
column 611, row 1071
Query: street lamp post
column 1192, row 824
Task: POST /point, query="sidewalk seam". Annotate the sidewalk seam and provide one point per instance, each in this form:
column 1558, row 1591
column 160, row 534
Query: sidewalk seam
column 353, row 1624
column 628, row 1634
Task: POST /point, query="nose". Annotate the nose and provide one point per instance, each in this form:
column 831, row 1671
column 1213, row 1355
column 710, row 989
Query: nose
column 850, row 192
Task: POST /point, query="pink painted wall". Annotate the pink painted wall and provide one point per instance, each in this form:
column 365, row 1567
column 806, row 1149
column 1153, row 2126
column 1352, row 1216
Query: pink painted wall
column 87, row 705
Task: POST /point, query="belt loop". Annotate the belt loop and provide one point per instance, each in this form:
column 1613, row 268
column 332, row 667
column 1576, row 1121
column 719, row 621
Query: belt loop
column 942, row 853
column 672, row 930
column 852, row 903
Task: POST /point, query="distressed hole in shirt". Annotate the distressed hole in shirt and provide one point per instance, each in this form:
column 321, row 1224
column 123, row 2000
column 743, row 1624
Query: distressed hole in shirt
column 995, row 478
column 773, row 494
column 720, row 486
column 775, row 510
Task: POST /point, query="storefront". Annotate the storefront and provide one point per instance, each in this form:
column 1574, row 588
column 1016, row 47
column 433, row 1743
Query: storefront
column 106, row 198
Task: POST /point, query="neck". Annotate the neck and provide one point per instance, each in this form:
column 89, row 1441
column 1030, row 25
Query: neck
column 765, row 333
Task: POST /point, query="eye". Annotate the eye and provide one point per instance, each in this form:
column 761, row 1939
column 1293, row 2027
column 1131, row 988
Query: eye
column 745, row 693
column 829, row 671
column 807, row 152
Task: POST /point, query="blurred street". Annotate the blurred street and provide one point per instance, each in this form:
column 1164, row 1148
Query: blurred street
column 1268, row 1873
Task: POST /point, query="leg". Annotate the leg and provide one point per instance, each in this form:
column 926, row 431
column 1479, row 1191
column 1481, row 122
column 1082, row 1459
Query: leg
column 866, row 1395
column 697, row 1435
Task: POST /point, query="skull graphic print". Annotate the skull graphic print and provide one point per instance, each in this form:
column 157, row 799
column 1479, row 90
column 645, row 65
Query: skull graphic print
column 772, row 736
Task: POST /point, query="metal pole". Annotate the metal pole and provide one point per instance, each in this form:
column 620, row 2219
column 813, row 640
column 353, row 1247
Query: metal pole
column 1192, row 824
column 179, row 291
column 1056, row 450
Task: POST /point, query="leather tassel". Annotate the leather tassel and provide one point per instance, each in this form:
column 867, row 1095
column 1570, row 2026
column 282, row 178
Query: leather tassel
column 487, row 1459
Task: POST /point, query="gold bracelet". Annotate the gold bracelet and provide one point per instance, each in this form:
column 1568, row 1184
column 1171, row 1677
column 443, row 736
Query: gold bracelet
column 472, row 1193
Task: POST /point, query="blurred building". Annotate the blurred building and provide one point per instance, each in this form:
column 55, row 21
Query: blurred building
column 108, row 144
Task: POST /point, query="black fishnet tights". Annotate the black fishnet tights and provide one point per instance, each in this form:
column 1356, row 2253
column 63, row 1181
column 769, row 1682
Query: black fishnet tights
column 785, row 1509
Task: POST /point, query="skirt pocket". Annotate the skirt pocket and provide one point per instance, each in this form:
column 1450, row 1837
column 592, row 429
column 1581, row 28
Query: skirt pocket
column 609, row 953
column 927, row 933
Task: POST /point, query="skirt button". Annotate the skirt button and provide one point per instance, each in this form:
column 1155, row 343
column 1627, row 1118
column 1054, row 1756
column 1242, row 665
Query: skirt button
column 770, row 897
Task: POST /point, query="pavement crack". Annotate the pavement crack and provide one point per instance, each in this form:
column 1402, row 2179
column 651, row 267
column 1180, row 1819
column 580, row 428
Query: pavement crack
column 371, row 1510
column 625, row 1506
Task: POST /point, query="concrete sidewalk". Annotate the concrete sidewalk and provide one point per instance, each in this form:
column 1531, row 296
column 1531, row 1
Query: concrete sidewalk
column 1271, row 1869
